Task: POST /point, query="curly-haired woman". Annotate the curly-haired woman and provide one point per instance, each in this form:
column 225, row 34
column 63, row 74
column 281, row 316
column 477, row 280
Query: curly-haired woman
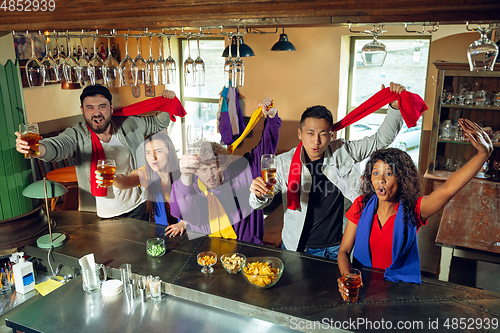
column 383, row 222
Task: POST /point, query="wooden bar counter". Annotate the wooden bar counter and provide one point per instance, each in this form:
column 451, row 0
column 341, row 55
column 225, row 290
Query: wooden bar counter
column 306, row 298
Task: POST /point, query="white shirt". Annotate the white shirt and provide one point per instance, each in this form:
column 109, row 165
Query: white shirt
column 118, row 201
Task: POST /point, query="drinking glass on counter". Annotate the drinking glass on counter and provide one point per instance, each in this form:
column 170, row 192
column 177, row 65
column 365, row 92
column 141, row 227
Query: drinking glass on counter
column 352, row 281
column 155, row 288
column 30, row 134
column 106, row 168
column 268, row 169
column 194, row 138
column 91, row 280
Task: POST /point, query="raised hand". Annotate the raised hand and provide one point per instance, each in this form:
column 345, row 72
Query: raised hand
column 267, row 107
column 398, row 89
column 477, row 136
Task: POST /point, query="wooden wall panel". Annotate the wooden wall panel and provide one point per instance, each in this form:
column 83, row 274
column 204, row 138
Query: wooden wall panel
column 124, row 14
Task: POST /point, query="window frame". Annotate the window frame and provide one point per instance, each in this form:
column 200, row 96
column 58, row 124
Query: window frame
column 352, row 61
column 180, row 78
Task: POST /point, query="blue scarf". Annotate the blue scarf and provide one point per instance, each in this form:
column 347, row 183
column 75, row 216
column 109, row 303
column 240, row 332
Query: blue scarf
column 405, row 265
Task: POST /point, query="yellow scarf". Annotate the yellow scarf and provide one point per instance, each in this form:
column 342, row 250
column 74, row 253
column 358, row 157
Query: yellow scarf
column 251, row 124
column 220, row 226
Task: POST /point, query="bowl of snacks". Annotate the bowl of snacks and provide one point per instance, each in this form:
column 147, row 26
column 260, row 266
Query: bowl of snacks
column 207, row 259
column 232, row 262
column 262, row 272
column 155, row 247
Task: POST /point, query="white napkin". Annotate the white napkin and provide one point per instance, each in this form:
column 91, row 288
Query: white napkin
column 87, row 261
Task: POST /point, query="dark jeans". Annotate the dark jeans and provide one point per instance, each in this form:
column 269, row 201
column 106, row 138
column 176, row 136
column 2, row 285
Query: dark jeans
column 138, row 213
column 325, row 252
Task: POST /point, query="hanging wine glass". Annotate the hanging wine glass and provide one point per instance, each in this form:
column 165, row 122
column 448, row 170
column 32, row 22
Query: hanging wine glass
column 111, row 70
column 126, row 78
column 239, row 66
column 60, row 59
column 189, row 67
column 151, row 71
column 83, row 69
column 70, row 67
column 96, row 67
column 171, row 67
column 482, row 53
column 139, row 67
column 161, row 69
column 51, row 72
column 35, row 72
column 229, row 69
column 373, row 53
column 199, row 68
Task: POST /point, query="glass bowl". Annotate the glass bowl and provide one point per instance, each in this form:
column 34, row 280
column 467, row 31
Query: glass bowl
column 206, row 259
column 262, row 281
column 155, row 247
column 232, row 262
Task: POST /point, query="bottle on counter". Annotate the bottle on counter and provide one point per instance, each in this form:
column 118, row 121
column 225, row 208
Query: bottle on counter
column 86, row 54
column 79, row 53
column 24, row 276
column 62, row 51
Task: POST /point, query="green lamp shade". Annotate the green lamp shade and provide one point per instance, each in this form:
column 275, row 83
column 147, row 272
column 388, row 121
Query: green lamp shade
column 36, row 190
column 245, row 50
column 283, row 44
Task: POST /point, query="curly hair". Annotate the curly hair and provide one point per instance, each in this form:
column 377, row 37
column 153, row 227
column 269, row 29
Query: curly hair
column 212, row 152
column 407, row 176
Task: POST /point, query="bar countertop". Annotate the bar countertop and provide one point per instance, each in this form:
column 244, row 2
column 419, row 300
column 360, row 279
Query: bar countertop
column 306, row 295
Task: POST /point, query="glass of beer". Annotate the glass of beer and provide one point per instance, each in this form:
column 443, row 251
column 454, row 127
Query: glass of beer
column 29, row 133
column 107, row 170
column 352, row 281
column 268, row 169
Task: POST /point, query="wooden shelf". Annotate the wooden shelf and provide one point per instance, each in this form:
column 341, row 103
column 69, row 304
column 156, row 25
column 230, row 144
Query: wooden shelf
column 496, row 144
column 477, row 107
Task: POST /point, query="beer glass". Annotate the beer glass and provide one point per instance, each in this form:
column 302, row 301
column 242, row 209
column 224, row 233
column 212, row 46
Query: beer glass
column 268, row 168
column 29, row 133
column 91, row 279
column 107, row 170
column 194, row 138
column 155, row 289
column 352, row 281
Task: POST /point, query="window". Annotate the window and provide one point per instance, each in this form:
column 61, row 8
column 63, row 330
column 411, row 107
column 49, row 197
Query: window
column 201, row 102
column 406, row 63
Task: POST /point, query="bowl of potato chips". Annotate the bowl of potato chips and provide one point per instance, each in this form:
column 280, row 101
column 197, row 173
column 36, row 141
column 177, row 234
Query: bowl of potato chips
column 232, row 262
column 262, row 272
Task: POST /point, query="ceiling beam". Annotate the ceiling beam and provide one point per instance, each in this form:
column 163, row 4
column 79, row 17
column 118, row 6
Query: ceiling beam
column 141, row 14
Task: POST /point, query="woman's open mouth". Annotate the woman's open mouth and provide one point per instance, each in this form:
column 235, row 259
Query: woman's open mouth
column 381, row 191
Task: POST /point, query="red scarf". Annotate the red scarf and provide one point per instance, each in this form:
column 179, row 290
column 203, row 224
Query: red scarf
column 172, row 106
column 411, row 106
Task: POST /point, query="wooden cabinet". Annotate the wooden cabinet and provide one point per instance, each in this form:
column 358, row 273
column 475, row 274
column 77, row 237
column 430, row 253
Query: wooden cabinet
column 445, row 154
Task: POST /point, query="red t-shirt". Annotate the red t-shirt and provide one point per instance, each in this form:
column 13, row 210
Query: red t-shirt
column 381, row 238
